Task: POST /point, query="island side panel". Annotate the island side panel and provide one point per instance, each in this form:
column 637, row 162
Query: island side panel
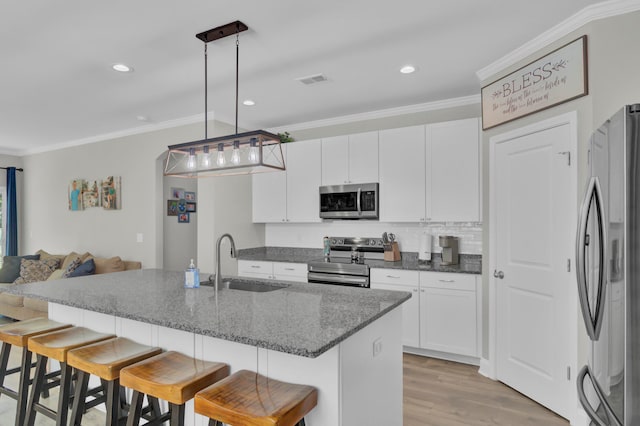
column 371, row 372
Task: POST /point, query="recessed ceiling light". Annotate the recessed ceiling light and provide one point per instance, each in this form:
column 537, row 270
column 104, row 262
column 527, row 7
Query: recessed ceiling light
column 122, row 68
column 407, row 69
column 249, row 102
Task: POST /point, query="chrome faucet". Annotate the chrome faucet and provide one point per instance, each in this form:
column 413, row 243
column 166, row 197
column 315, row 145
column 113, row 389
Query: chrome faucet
column 218, row 278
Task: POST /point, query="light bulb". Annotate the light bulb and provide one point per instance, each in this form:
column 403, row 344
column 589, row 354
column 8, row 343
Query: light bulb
column 254, row 151
column 235, row 154
column 206, row 157
column 191, row 161
column 220, row 160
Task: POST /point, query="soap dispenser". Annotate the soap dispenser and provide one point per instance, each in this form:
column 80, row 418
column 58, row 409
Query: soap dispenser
column 192, row 276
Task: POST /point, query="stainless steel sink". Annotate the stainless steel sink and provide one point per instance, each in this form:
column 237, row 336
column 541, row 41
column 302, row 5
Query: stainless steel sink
column 243, row 285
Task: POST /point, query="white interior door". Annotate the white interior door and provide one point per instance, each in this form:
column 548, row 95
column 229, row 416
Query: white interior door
column 534, row 215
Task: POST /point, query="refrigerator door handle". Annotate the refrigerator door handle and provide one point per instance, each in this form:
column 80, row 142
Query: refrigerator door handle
column 612, row 419
column 592, row 320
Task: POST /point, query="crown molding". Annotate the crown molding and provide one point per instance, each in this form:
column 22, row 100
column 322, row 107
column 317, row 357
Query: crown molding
column 588, row 14
column 383, row 113
column 152, row 127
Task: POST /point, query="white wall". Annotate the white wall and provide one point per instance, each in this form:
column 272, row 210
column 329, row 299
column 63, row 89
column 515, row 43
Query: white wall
column 48, row 224
column 180, row 241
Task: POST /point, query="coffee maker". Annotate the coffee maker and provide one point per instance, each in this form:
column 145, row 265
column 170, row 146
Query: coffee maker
column 449, row 246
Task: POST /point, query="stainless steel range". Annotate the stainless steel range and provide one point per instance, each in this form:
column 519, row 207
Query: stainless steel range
column 347, row 262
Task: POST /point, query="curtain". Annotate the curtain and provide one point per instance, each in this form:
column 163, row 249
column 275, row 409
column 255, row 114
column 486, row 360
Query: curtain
column 11, row 240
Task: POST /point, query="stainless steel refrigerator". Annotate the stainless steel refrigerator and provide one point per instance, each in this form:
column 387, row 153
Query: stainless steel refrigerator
column 608, row 272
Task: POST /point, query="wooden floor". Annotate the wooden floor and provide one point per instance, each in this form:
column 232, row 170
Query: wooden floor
column 444, row 393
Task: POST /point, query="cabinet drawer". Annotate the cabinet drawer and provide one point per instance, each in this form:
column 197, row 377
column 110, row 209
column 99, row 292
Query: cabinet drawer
column 254, row 267
column 296, row 269
column 395, row 276
column 448, row 281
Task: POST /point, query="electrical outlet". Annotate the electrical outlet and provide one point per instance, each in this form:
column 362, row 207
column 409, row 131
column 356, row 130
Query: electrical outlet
column 139, row 237
column 377, row 347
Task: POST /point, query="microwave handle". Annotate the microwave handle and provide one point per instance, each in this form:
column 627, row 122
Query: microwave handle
column 358, row 201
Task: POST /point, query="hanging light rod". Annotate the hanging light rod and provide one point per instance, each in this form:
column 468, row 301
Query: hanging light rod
column 222, row 31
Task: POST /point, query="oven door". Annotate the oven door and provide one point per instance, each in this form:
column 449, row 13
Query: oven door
column 349, row 201
column 338, row 279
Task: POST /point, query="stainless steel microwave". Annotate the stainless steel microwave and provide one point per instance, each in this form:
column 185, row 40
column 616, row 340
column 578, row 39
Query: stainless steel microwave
column 356, row 201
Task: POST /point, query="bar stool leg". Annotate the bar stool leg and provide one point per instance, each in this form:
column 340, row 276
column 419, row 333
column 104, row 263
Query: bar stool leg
column 215, row 423
column 36, row 389
column 113, row 401
column 177, row 414
column 23, row 386
column 135, row 410
column 65, row 392
column 82, row 383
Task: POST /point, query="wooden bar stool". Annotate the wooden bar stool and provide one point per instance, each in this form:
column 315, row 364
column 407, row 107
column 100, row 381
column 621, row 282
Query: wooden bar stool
column 171, row 376
column 56, row 345
column 17, row 334
column 247, row 398
column 105, row 360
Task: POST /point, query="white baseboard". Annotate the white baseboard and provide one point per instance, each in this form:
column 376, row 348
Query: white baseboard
column 464, row 359
column 486, row 369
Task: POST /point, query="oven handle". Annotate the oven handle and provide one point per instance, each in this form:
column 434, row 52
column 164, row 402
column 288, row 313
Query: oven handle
column 351, row 280
column 358, row 201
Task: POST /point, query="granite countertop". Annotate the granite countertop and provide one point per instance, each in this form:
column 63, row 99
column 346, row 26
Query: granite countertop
column 469, row 263
column 300, row 319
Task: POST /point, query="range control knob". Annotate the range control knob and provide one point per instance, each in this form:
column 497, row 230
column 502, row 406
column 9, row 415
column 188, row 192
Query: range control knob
column 333, row 241
column 340, row 242
column 372, row 242
column 379, row 242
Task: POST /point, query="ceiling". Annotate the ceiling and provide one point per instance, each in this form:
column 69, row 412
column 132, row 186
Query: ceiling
column 57, row 85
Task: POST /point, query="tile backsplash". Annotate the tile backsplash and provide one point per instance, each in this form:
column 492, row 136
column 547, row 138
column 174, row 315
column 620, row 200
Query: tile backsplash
column 407, row 234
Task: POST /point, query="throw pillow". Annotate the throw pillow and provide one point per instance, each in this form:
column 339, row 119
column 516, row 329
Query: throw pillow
column 106, row 266
column 71, row 257
column 72, row 267
column 36, row 270
column 11, row 267
column 44, row 255
column 56, row 275
column 86, row 268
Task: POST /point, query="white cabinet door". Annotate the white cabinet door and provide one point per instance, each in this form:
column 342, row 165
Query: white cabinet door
column 269, row 195
column 402, row 174
column 453, row 177
column 410, row 313
column 303, row 180
column 363, row 157
column 290, row 271
column 448, row 313
column 335, row 160
column 255, row 269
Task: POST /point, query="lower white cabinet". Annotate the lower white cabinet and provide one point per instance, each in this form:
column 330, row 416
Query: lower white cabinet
column 281, row 271
column 442, row 314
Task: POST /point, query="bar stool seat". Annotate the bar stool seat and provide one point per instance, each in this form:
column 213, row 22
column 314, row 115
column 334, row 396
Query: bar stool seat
column 17, row 334
column 56, row 345
column 247, row 398
column 170, row 376
column 105, row 360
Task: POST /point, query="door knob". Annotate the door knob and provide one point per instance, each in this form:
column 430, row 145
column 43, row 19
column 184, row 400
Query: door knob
column 498, row 274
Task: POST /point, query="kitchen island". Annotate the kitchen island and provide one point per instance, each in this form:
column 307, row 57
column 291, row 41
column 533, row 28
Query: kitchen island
column 344, row 341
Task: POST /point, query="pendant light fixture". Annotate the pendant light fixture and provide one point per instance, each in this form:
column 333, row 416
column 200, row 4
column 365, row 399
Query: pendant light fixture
column 241, row 153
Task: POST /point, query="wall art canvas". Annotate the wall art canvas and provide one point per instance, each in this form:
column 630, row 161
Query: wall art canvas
column 111, row 196
column 190, row 196
column 91, row 194
column 172, row 207
column 75, row 194
column 177, row 193
column 183, row 218
column 191, row 207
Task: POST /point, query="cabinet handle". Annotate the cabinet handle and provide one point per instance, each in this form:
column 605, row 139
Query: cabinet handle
column 283, row 220
column 392, row 276
column 428, row 219
column 422, row 290
column 256, row 266
column 289, row 269
column 447, row 281
column 415, row 290
column 422, row 219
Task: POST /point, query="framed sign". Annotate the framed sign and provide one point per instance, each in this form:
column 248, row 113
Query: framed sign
column 557, row 77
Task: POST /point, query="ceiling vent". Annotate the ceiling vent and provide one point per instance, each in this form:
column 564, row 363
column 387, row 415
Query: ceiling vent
column 312, row 79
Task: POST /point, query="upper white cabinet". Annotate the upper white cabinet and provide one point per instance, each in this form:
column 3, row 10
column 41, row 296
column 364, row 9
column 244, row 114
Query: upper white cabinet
column 269, row 195
column 350, row 159
column 303, row 181
column 402, row 174
column 453, row 171
column 291, row 195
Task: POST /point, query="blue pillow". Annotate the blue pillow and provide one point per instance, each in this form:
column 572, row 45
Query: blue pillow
column 10, row 270
column 86, row 268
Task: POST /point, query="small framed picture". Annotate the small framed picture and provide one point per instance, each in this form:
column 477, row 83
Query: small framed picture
column 190, row 196
column 183, row 218
column 172, row 207
column 191, row 207
column 177, row 193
